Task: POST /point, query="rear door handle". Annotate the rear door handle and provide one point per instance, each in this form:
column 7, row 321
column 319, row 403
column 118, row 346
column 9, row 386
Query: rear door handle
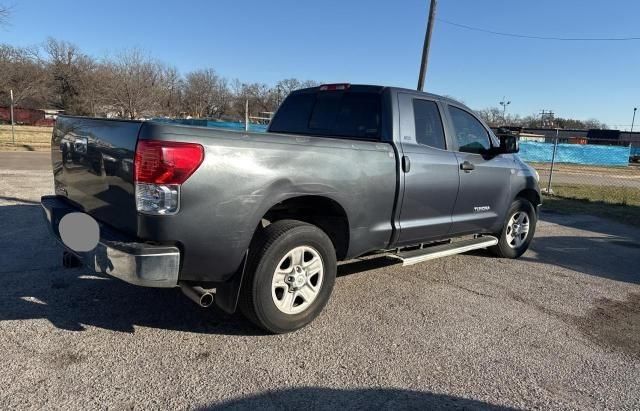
column 467, row 166
column 406, row 164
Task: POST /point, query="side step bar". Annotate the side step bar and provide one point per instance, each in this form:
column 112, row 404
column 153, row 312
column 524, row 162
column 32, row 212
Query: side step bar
column 437, row 251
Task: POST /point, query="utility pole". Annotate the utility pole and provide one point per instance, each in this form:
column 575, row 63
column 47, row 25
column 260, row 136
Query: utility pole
column 633, row 120
column 425, row 47
column 13, row 133
column 504, row 103
column 546, row 118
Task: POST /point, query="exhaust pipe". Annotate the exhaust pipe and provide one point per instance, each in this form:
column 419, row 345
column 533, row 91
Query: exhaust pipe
column 204, row 298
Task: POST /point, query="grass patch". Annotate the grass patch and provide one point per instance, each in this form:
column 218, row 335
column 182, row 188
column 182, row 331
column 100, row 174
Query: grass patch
column 627, row 214
column 620, row 204
column 26, row 137
column 633, row 169
column 616, row 195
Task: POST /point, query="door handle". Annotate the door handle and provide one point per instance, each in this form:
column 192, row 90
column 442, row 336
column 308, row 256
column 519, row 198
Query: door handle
column 406, row 164
column 467, row 166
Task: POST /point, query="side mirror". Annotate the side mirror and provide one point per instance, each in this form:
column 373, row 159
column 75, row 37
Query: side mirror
column 508, row 144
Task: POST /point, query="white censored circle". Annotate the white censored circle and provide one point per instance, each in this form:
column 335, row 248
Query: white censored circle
column 79, row 232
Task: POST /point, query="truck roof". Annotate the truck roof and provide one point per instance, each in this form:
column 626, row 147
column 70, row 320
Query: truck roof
column 375, row 87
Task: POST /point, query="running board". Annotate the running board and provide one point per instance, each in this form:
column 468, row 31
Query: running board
column 444, row 250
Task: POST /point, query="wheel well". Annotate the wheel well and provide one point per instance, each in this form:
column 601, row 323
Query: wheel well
column 531, row 195
column 322, row 212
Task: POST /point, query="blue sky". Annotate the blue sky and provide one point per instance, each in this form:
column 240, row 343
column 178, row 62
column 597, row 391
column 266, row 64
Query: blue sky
column 376, row 42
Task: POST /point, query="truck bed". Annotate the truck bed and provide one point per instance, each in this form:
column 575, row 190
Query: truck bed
column 243, row 176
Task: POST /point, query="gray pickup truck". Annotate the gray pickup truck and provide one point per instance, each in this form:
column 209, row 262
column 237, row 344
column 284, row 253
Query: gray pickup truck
column 259, row 220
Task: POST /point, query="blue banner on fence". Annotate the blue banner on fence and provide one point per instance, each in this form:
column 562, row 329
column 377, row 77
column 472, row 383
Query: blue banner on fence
column 591, row 154
column 228, row 125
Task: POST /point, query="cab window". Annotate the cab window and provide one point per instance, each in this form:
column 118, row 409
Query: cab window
column 428, row 124
column 471, row 135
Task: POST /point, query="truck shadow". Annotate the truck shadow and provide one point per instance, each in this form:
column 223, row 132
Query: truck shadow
column 366, row 398
column 365, row 264
column 35, row 286
column 600, row 248
column 81, row 300
column 616, row 258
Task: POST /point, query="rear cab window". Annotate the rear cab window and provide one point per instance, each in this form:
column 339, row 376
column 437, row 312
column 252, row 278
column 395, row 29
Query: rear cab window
column 355, row 112
column 428, row 124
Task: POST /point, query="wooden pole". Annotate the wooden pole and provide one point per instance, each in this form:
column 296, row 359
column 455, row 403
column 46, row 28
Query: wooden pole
column 13, row 132
column 425, row 47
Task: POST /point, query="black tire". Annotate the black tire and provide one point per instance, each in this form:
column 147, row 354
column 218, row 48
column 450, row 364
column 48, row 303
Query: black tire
column 267, row 250
column 503, row 249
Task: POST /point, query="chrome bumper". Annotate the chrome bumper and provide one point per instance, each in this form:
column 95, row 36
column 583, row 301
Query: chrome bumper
column 136, row 263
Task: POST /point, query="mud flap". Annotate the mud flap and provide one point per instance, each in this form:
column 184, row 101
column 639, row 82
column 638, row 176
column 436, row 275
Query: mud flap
column 228, row 293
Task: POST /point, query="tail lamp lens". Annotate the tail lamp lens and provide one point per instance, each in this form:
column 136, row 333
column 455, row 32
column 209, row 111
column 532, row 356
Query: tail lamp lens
column 160, row 168
column 166, row 162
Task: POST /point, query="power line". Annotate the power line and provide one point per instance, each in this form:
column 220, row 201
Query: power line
column 525, row 36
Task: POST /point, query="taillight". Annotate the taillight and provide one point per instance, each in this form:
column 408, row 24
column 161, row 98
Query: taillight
column 166, row 162
column 160, row 168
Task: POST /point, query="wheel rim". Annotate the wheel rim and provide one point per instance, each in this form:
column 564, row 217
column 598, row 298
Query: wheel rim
column 297, row 280
column 517, row 229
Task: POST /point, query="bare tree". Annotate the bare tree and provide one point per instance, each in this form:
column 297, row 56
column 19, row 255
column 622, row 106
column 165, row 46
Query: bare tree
column 594, row 123
column 23, row 72
column 206, row 94
column 261, row 97
column 133, row 84
column 492, row 116
column 284, row 87
column 92, row 85
column 288, row 85
column 72, row 77
column 172, row 91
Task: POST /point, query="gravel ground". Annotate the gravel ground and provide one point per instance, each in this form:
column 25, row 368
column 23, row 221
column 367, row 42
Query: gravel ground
column 557, row 329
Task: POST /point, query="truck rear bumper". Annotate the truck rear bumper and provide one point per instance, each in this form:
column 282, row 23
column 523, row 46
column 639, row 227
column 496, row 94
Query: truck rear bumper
column 117, row 255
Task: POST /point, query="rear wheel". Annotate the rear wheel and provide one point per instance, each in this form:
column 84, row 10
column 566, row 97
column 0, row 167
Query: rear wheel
column 518, row 230
column 291, row 272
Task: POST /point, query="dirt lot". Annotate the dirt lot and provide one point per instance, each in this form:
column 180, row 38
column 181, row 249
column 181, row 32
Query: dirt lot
column 558, row 328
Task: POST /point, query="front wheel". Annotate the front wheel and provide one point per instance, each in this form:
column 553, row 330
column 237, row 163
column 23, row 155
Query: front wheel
column 291, row 272
column 518, row 230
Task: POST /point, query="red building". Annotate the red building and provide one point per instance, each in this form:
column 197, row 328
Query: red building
column 28, row 117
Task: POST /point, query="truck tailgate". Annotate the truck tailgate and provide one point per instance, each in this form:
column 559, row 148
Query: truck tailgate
column 93, row 167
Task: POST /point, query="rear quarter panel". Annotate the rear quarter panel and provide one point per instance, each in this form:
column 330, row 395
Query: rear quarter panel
column 245, row 174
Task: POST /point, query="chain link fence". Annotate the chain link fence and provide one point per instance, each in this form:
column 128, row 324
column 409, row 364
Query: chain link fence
column 587, row 169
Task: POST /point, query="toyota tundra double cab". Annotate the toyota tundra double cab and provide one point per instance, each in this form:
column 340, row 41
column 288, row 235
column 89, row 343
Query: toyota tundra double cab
column 260, row 220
